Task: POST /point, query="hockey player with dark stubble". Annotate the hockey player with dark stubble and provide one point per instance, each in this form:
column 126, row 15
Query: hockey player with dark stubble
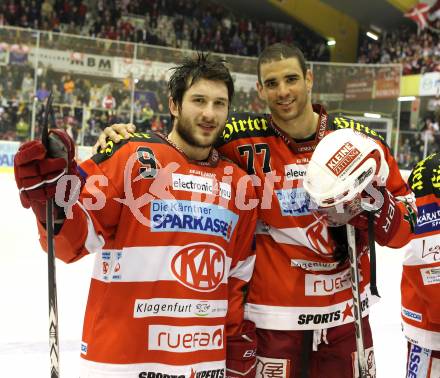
column 299, row 296
column 173, row 247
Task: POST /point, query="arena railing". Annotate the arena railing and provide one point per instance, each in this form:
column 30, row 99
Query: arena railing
column 114, row 80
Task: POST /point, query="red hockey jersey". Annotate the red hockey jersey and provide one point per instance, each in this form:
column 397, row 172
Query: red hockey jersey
column 173, row 251
column 421, row 268
column 297, row 284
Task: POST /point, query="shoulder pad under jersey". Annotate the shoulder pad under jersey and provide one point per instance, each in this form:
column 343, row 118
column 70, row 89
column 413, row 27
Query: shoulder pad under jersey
column 425, row 177
column 112, row 147
column 342, row 122
column 243, row 125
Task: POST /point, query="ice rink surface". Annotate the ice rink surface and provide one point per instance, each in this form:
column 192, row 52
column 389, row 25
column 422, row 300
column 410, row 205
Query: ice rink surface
column 24, row 350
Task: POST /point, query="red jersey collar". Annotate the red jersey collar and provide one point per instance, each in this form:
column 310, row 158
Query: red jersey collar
column 309, row 146
column 211, row 161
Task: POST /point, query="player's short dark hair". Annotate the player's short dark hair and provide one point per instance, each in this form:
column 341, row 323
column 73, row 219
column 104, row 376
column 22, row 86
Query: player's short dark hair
column 203, row 66
column 280, row 51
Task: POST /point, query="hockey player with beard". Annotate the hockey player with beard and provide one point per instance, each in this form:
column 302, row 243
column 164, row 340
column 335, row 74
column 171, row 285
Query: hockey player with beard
column 299, row 296
column 420, row 285
column 172, row 243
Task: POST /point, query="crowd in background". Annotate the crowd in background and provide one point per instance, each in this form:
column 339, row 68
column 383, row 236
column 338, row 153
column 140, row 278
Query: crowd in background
column 183, row 24
column 84, row 105
column 418, row 52
column 415, row 145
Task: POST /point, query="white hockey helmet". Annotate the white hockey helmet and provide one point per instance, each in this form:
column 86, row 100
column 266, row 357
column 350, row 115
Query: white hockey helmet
column 343, row 164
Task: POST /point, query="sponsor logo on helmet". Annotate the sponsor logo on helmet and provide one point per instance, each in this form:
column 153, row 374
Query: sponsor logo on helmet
column 339, row 162
column 363, row 176
column 200, row 266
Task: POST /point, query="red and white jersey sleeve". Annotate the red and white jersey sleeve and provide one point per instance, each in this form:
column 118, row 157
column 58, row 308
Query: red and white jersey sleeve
column 297, row 283
column 173, row 250
column 421, row 268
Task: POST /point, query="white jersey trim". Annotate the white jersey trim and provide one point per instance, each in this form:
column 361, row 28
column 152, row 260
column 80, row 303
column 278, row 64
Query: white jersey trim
column 94, row 242
column 284, row 318
column 243, row 270
column 421, row 337
column 296, row 236
column 143, row 264
column 90, row 369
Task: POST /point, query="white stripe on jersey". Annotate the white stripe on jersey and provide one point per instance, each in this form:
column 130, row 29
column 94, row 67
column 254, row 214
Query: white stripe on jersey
column 422, row 251
column 94, row 242
column 91, row 369
column 296, row 236
column 285, row 318
column 243, row 270
column 423, row 337
column 150, row 264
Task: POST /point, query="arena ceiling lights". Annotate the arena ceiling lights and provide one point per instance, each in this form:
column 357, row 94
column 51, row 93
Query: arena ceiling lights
column 372, row 115
column 331, row 42
column 406, row 98
column 372, row 35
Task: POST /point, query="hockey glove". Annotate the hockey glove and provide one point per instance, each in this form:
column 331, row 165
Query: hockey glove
column 386, row 219
column 241, row 355
column 37, row 171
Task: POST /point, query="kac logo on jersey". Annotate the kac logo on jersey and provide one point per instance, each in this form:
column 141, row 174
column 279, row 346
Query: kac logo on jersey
column 293, row 202
column 200, row 266
column 428, row 218
column 191, row 216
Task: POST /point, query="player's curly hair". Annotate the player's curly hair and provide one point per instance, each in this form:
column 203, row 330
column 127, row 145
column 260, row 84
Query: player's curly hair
column 202, row 66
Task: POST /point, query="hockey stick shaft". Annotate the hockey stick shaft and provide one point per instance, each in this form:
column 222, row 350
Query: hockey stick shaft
column 53, row 305
column 355, row 288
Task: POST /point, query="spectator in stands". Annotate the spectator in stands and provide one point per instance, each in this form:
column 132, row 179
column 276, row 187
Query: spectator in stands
column 195, row 24
column 56, row 93
column 418, row 52
column 27, row 88
column 157, row 124
column 69, row 87
column 22, row 128
column 42, row 92
column 144, row 115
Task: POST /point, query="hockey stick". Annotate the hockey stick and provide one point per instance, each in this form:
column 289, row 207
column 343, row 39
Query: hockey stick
column 354, row 274
column 53, row 307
